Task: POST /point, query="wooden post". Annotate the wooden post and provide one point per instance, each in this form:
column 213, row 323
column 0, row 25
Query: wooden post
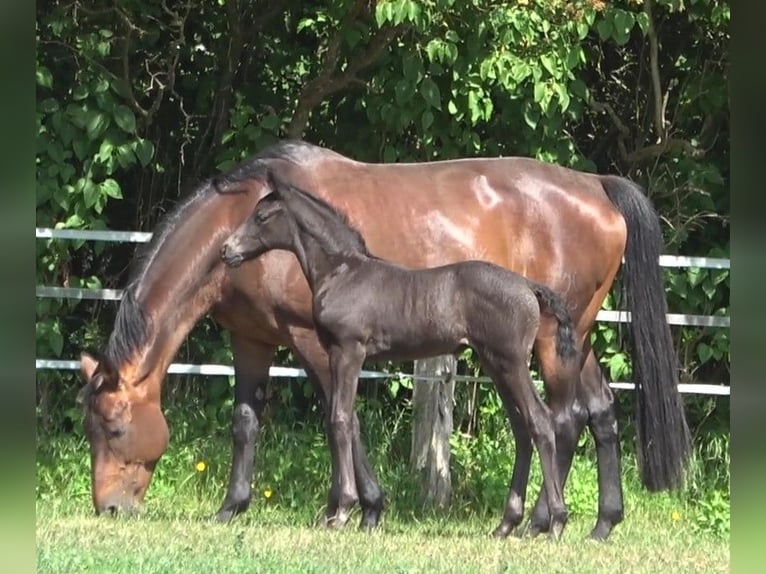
column 432, row 403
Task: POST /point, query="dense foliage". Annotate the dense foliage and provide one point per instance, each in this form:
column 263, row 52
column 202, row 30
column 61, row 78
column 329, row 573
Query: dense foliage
column 139, row 99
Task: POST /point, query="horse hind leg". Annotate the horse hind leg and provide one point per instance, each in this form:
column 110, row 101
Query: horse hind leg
column 517, row 492
column 516, row 389
column 602, row 421
column 569, row 418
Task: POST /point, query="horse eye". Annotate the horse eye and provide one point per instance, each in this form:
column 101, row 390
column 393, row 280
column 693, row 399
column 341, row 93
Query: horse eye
column 115, row 433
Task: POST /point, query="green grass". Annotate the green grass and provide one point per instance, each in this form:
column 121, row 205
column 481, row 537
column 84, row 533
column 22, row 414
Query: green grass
column 684, row 532
column 163, row 540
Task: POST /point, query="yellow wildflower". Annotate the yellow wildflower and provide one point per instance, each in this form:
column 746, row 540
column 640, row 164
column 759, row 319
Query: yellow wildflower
column 267, row 493
column 200, row 466
column 675, row 516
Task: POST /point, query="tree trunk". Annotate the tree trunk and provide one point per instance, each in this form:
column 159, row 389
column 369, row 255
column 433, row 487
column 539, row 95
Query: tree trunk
column 432, row 404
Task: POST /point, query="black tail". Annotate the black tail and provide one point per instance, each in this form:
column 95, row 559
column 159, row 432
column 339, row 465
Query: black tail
column 552, row 303
column 663, row 436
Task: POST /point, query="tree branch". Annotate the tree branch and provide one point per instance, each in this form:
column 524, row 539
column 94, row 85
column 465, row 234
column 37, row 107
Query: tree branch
column 328, row 81
column 654, row 67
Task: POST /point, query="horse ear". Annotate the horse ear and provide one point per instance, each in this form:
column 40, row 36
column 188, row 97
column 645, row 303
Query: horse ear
column 88, row 366
column 97, row 371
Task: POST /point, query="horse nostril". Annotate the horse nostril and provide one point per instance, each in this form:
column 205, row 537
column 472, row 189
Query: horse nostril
column 111, row 510
column 224, row 251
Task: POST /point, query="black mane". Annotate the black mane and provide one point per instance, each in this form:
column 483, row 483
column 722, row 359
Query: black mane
column 132, row 325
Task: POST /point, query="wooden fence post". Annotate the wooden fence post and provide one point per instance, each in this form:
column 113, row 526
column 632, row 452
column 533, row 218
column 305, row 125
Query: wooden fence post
column 432, row 403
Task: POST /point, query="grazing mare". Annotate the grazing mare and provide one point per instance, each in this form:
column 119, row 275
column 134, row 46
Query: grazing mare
column 368, row 307
column 563, row 228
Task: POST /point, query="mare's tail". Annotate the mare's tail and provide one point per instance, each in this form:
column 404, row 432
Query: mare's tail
column 663, row 436
column 552, row 303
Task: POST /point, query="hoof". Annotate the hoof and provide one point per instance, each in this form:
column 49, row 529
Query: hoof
column 228, row 511
column 601, row 531
column 503, row 530
column 557, row 528
column 337, row 522
column 370, row 520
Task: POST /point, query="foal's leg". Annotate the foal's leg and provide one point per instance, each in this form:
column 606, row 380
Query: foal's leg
column 517, row 492
column 515, row 386
column 316, row 363
column 345, row 363
column 561, row 384
column 252, row 361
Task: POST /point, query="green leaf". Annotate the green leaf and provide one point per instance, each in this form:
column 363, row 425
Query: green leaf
column 704, row 352
column 532, row 116
column 695, row 275
column 430, row 92
column 563, row 96
column 44, row 77
column 549, row 64
column 111, row 188
column 125, row 119
column 623, row 21
column 90, row 193
column 427, row 119
column 578, row 88
column 643, row 22
column 582, row 30
column 96, row 124
column 144, row 150
column 412, row 68
column 539, row 92
column 105, row 151
column 270, row 122
column 49, row 105
column 451, row 107
column 473, row 106
column 402, row 92
column 605, row 29
column 56, row 341
column 80, row 147
column 79, row 93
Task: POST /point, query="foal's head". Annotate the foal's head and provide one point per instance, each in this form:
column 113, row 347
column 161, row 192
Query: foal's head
column 266, row 229
column 285, row 215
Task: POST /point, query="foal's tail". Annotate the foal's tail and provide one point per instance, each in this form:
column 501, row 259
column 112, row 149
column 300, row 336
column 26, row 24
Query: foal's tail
column 663, row 436
column 551, row 303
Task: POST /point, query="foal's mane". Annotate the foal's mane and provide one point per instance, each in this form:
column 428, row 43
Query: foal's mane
column 133, row 326
column 336, row 233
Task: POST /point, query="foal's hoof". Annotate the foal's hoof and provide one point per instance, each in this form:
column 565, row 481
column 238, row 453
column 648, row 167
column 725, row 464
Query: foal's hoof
column 227, row 512
column 336, row 522
column 503, row 530
column 557, row 528
column 601, row 531
column 370, row 520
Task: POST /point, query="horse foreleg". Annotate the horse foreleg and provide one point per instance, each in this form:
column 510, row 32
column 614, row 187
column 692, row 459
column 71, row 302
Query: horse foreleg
column 252, row 361
column 371, row 499
column 345, row 363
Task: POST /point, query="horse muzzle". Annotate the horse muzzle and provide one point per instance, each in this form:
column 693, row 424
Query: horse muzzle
column 230, row 256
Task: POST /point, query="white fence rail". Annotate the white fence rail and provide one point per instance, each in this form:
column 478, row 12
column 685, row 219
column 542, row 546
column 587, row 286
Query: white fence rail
column 226, row 370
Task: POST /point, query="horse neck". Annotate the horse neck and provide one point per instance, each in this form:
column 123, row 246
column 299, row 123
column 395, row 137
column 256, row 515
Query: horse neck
column 317, row 259
column 180, row 283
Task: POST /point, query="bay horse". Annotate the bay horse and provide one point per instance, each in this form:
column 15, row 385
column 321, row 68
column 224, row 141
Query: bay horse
column 366, row 307
column 560, row 227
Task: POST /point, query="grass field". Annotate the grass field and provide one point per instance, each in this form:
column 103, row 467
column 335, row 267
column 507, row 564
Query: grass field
column 267, row 539
column 682, row 532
